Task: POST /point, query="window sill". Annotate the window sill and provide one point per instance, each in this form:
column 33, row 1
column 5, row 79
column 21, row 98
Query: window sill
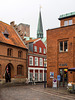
column 63, row 52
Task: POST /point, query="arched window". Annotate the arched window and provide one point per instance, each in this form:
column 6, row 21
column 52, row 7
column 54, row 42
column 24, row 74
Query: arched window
column 9, row 52
column 20, row 70
column 20, row 54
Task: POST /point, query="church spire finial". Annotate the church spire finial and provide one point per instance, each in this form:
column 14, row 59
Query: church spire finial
column 40, row 27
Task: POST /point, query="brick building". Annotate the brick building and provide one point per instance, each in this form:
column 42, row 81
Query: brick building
column 61, row 50
column 37, row 64
column 13, row 54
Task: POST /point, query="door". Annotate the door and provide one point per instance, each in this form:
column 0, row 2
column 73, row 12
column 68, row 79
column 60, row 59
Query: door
column 64, row 76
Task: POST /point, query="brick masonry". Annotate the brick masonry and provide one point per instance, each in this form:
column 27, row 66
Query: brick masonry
column 54, row 57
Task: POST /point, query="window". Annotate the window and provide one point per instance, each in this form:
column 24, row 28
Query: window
column 40, row 50
column 41, row 76
column 63, row 46
column 65, row 23
column 9, row 52
column 19, row 54
column 31, row 76
column 36, row 61
column 6, row 34
column 19, row 70
column 41, row 62
column 35, row 48
column 44, row 51
column 70, row 22
column 30, row 60
column 36, row 76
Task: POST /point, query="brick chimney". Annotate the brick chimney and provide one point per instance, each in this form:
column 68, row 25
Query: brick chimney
column 12, row 23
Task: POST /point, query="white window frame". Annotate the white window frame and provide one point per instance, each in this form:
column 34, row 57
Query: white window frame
column 40, row 50
column 35, row 48
column 36, row 61
column 41, row 61
column 30, row 60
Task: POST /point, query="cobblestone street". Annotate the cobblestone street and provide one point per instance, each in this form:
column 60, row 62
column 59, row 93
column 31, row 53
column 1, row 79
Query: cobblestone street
column 34, row 92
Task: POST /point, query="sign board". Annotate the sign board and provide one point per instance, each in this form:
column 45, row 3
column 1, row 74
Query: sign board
column 58, row 77
column 54, row 83
column 51, row 74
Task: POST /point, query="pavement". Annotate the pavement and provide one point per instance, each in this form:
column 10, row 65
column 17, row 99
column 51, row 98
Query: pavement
column 33, row 92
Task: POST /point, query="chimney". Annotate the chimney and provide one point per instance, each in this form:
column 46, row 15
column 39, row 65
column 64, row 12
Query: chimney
column 12, row 23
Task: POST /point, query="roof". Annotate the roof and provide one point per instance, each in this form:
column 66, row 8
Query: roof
column 66, row 15
column 32, row 40
column 13, row 39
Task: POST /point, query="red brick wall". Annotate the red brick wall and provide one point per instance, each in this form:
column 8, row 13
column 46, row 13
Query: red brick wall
column 14, row 60
column 54, row 57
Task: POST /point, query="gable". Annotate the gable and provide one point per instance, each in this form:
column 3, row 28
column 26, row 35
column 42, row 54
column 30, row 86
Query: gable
column 13, row 38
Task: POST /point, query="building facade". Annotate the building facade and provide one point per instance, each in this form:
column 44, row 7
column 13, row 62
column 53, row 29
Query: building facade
column 13, row 54
column 37, row 62
column 61, row 50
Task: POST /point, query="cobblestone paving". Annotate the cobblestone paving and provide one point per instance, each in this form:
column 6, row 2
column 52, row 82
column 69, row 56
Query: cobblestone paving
column 34, row 92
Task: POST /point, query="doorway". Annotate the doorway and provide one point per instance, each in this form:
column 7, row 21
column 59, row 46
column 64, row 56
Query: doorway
column 9, row 72
column 64, row 76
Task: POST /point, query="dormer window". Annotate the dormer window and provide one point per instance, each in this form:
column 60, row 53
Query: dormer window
column 6, row 34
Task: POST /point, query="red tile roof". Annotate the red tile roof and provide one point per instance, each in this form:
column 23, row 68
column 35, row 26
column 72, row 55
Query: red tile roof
column 13, row 39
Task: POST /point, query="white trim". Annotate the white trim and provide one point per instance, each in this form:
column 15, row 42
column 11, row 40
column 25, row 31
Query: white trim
column 37, row 68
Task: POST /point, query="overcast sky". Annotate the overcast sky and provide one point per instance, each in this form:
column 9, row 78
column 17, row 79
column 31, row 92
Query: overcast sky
column 27, row 12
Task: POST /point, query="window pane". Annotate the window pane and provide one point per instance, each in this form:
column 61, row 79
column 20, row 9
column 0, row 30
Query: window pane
column 65, row 46
column 70, row 22
column 65, row 23
column 30, row 60
column 36, row 61
column 61, row 46
column 36, row 76
column 31, row 76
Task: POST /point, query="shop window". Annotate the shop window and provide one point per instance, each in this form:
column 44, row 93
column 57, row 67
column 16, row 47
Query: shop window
column 63, row 46
column 9, row 52
column 41, row 76
column 36, row 76
column 20, row 54
column 31, row 60
column 19, row 70
column 31, row 76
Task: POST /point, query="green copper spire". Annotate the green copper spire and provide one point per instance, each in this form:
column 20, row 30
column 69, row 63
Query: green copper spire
column 40, row 27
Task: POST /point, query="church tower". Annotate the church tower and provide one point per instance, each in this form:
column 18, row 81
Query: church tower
column 40, row 27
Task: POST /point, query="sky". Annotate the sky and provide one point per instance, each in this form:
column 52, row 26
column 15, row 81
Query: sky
column 27, row 12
